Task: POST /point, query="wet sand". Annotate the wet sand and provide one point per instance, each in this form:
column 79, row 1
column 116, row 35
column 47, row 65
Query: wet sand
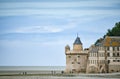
column 63, row 76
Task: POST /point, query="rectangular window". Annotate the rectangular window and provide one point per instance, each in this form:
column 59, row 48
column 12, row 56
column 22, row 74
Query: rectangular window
column 114, row 61
column 118, row 54
column 117, row 48
column 113, row 48
column 73, row 70
column 113, row 54
column 108, row 48
column 75, row 59
column 108, row 54
column 72, row 62
column 108, row 61
column 69, row 56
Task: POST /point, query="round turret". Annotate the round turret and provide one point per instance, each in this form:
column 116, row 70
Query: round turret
column 67, row 48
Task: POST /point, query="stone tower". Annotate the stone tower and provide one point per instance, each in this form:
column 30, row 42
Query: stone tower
column 76, row 59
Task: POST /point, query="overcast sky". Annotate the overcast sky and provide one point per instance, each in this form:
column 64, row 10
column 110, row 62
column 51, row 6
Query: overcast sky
column 35, row 32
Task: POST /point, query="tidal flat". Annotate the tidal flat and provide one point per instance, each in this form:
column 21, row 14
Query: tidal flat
column 62, row 76
column 48, row 72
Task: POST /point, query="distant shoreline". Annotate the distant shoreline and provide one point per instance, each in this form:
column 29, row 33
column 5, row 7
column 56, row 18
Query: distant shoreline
column 53, row 73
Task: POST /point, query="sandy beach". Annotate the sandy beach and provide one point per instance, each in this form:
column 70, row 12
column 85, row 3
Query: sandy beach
column 49, row 73
column 63, row 76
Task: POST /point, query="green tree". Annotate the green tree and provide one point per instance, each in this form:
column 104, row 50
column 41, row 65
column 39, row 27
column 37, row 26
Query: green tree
column 115, row 31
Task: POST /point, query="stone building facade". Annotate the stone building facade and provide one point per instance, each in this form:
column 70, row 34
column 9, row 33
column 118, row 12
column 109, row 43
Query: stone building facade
column 112, row 50
column 102, row 57
column 76, row 59
column 96, row 60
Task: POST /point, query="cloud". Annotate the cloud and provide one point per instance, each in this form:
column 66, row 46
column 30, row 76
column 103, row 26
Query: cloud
column 36, row 29
column 40, row 29
column 62, row 4
column 23, row 44
column 53, row 26
column 63, row 12
column 73, row 9
column 58, row 25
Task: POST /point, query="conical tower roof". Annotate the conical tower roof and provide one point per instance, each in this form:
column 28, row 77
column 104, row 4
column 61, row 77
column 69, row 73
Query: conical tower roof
column 67, row 46
column 77, row 41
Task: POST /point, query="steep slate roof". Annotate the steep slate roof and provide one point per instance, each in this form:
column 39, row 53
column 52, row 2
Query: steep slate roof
column 77, row 41
column 100, row 42
column 93, row 50
column 112, row 41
